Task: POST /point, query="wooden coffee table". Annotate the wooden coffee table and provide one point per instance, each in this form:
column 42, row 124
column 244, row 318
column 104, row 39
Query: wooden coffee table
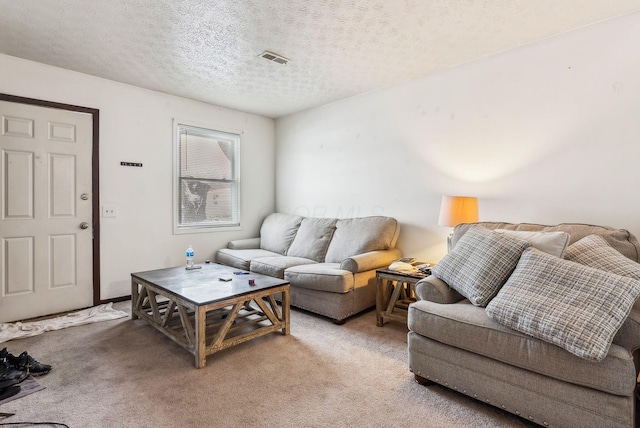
column 205, row 315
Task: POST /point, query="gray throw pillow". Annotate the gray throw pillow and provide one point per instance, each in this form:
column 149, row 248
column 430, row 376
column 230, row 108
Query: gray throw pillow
column 480, row 263
column 573, row 306
column 595, row 251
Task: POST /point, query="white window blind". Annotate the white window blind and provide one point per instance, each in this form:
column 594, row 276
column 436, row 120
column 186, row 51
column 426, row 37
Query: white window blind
column 207, row 181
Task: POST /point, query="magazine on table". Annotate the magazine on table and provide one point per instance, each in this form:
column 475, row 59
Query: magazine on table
column 409, row 266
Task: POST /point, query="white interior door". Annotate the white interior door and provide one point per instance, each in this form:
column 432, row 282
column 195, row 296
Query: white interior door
column 46, row 258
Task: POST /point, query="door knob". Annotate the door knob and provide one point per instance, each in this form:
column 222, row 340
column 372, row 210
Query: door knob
column 84, row 225
column 84, row 196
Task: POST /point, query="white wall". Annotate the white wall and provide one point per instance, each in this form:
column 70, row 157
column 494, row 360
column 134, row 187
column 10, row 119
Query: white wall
column 136, row 125
column 545, row 133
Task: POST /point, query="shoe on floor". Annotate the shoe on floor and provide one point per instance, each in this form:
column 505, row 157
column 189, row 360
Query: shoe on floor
column 25, row 362
column 9, row 373
column 6, row 383
column 9, row 391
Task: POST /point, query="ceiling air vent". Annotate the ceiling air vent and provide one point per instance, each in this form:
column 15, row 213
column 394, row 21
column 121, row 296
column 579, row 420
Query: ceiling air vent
column 274, row 57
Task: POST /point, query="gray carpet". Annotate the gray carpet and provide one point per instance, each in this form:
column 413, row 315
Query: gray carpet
column 124, row 373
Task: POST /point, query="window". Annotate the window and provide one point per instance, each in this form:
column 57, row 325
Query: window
column 207, row 188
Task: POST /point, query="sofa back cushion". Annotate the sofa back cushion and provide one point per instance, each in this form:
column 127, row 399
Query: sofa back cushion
column 554, row 243
column 278, row 232
column 620, row 239
column 313, row 238
column 360, row 235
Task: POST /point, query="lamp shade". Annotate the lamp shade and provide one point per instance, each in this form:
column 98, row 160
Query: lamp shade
column 458, row 209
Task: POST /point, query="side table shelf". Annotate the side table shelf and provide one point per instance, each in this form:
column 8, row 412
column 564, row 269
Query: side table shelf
column 394, row 292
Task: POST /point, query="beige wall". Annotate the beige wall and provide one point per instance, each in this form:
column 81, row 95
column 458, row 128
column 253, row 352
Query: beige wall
column 136, row 126
column 547, row 132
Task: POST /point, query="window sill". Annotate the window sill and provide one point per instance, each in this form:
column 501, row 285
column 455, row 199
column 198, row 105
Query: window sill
column 182, row 230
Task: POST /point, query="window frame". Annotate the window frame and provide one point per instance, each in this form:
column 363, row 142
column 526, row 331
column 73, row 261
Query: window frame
column 236, row 224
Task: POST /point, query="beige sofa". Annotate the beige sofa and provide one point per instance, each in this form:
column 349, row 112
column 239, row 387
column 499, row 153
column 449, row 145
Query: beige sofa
column 330, row 263
column 457, row 344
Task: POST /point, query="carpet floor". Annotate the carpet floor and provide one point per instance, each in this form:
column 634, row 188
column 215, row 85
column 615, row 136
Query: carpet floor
column 124, row 373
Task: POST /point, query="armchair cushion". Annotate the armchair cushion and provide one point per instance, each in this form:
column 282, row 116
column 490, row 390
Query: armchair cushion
column 576, row 307
column 480, row 263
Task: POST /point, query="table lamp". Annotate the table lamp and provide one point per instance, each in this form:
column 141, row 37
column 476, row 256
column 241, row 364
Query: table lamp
column 455, row 210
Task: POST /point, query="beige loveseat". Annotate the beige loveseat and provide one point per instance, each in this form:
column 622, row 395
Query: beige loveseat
column 549, row 375
column 330, row 263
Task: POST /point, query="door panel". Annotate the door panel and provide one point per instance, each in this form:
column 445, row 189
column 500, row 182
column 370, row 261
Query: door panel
column 62, row 132
column 46, row 259
column 62, row 169
column 63, row 264
column 17, row 127
column 19, row 265
column 18, row 184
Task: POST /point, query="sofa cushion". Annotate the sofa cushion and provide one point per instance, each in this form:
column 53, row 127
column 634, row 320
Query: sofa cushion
column 576, row 307
column 554, row 243
column 321, row 276
column 275, row 266
column 241, row 259
column 480, row 264
column 278, row 231
column 313, row 238
column 361, row 235
column 467, row 327
column 595, row 251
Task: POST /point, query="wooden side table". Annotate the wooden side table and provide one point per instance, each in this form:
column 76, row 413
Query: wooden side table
column 394, row 292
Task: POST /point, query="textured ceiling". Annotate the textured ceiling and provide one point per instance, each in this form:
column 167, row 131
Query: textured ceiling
column 208, row 49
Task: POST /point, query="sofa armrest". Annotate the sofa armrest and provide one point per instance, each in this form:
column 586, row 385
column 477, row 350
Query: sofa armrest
column 371, row 260
column 436, row 290
column 629, row 334
column 244, row 244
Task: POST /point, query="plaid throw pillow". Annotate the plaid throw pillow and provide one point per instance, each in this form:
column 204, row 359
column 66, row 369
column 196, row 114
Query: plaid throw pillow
column 573, row 306
column 480, row 263
column 595, row 251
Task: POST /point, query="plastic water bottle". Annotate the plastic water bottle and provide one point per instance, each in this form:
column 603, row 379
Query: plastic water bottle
column 189, row 256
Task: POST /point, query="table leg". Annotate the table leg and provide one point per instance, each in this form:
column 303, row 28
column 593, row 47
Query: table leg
column 380, row 300
column 286, row 313
column 134, row 299
column 394, row 296
column 201, row 329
